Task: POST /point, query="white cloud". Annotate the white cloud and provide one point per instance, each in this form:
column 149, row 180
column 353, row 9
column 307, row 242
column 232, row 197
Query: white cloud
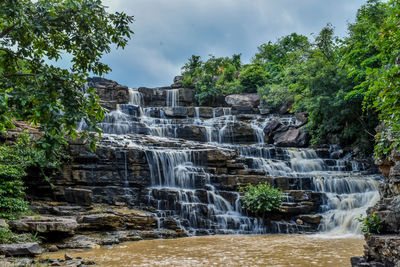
column 167, row 32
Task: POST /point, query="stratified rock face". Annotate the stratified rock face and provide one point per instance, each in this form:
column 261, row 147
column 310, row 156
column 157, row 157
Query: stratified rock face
column 23, row 249
column 243, row 100
column 112, row 173
column 111, row 93
column 384, row 249
column 78, row 196
column 157, row 97
column 44, row 225
column 185, row 164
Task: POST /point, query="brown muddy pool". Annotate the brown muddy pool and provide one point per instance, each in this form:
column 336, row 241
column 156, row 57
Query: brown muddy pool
column 231, row 250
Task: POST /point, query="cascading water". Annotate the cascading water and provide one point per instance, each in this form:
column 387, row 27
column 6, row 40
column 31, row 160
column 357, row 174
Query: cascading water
column 172, row 99
column 183, row 185
column 183, row 189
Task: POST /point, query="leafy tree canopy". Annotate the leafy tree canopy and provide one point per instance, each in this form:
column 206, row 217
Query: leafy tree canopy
column 346, row 85
column 33, row 33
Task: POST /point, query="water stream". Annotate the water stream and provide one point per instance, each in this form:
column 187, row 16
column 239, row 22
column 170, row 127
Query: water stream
column 263, row 250
column 184, row 187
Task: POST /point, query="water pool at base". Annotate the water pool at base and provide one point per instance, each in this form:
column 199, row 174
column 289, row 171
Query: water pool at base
column 228, row 250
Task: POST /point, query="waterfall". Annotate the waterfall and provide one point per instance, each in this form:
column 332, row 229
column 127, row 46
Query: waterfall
column 172, row 99
column 186, row 187
column 135, row 97
column 347, row 199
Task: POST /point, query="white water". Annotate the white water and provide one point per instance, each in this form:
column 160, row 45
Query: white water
column 182, row 185
column 172, row 98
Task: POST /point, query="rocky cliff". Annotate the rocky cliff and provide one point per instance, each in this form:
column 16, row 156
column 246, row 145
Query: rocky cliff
column 165, row 167
column 384, row 249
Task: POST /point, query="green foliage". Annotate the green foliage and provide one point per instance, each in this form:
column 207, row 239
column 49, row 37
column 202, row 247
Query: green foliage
column 371, row 224
column 8, row 237
column 33, row 33
column 15, row 159
column 275, row 95
column 384, row 81
column 346, row 85
column 278, row 54
column 261, row 198
column 252, row 77
column 206, row 90
column 215, row 77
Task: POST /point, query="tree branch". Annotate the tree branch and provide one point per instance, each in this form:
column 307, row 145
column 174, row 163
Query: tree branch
column 7, row 30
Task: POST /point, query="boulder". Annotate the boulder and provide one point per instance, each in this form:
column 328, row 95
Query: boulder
column 23, row 249
column 177, row 82
column 239, row 133
column 302, row 117
column 291, row 138
column 311, row 219
column 79, row 241
column 110, row 92
column 3, row 223
column 180, row 112
column 285, row 108
column 178, row 78
column 243, row 100
column 191, row 132
column 44, row 225
column 78, row 196
column 99, row 221
column 271, row 127
column 208, row 112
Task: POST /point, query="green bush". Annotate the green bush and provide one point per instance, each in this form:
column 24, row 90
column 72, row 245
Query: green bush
column 261, row 198
column 8, row 237
column 206, row 90
column 371, row 224
column 252, row 77
column 233, row 87
column 15, row 159
column 274, row 96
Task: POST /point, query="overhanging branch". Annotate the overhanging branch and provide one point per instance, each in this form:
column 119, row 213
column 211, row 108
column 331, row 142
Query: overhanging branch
column 19, row 75
column 6, row 31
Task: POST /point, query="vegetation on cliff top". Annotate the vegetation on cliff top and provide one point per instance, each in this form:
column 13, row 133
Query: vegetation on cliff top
column 347, row 85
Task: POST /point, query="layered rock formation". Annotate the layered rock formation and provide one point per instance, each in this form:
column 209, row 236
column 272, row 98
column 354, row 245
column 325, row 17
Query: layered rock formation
column 384, row 249
column 182, row 166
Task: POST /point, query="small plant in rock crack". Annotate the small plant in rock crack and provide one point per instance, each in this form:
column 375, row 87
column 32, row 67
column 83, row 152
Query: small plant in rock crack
column 371, row 224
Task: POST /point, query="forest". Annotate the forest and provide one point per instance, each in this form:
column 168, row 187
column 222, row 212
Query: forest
column 349, row 86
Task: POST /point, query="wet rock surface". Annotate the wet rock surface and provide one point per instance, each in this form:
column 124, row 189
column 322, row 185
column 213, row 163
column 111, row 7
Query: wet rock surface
column 67, row 260
column 23, row 249
column 110, row 92
column 42, row 224
column 384, row 249
column 165, row 168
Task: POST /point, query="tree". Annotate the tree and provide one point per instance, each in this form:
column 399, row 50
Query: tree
column 34, row 33
column 321, row 85
column 384, row 81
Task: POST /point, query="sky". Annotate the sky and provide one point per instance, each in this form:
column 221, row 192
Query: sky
column 168, row 32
